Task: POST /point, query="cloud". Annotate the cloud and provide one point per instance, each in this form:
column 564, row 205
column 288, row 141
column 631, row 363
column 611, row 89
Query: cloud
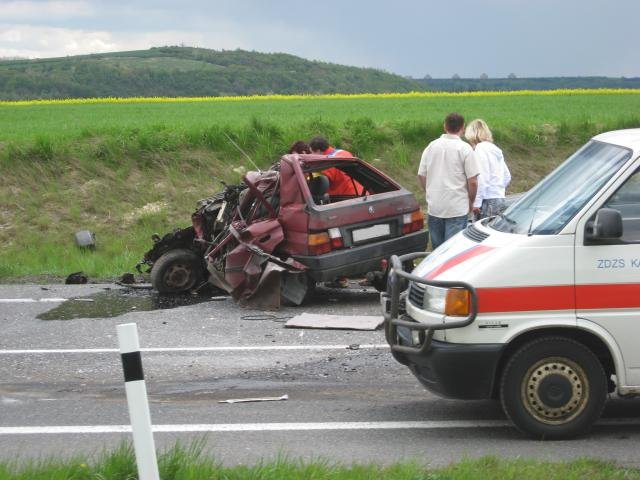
column 40, row 42
column 30, row 41
column 27, row 11
column 528, row 38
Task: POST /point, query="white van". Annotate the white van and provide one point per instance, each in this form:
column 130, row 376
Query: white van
column 537, row 305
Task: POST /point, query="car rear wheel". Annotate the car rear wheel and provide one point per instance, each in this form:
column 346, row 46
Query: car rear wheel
column 553, row 387
column 176, row 271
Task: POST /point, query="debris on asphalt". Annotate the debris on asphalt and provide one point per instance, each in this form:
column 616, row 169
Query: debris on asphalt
column 337, row 322
column 265, row 316
column 255, row 399
column 76, row 278
column 135, row 286
column 354, row 346
column 128, row 278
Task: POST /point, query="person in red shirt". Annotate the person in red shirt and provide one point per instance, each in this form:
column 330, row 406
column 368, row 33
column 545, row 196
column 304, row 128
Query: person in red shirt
column 339, row 182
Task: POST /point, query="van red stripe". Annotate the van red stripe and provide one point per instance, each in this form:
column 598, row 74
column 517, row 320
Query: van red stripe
column 523, row 299
column 558, row 297
column 458, row 259
column 622, row 295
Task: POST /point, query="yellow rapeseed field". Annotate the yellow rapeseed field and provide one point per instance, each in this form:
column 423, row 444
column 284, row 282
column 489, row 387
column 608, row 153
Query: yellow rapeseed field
column 337, row 96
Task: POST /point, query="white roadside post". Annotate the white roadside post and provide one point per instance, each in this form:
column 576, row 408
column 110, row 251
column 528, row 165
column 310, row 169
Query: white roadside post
column 136, row 390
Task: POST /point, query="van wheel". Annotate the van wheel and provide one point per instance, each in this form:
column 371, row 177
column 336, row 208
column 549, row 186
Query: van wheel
column 176, row 271
column 553, row 388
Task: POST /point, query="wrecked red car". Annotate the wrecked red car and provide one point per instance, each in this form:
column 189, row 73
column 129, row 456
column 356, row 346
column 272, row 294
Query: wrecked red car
column 275, row 236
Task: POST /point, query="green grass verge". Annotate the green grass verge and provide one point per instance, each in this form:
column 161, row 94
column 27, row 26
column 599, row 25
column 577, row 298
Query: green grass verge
column 189, row 463
column 125, row 171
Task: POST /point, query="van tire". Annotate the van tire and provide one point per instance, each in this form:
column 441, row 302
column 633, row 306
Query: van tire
column 176, row 271
column 553, row 388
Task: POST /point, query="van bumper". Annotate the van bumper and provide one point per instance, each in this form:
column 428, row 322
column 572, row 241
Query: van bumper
column 362, row 259
column 455, row 370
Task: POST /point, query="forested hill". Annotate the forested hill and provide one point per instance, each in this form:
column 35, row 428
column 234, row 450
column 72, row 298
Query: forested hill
column 187, row 72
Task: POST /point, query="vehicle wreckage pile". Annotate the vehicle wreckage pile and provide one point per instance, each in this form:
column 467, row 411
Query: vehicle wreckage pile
column 273, row 237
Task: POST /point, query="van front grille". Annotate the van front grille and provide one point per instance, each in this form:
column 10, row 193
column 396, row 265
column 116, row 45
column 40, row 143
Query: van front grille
column 416, row 294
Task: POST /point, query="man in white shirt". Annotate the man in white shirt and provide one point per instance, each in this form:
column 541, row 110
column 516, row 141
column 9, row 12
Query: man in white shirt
column 448, row 173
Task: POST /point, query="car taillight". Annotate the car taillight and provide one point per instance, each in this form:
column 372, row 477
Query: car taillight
column 336, row 238
column 412, row 222
column 319, row 243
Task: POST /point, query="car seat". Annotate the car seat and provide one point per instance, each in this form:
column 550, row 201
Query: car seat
column 319, row 186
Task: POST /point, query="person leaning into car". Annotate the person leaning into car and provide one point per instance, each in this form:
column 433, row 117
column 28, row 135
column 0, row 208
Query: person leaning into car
column 339, row 182
column 448, row 173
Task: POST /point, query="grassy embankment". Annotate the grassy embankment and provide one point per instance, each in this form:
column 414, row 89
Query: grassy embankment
column 127, row 169
column 181, row 463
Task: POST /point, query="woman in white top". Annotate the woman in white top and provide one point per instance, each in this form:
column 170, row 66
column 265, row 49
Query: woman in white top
column 494, row 174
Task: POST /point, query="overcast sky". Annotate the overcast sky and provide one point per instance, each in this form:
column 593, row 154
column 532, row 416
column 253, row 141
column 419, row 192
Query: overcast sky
column 410, row 37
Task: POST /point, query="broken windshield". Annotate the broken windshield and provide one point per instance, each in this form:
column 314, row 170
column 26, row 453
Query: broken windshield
column 549, row 206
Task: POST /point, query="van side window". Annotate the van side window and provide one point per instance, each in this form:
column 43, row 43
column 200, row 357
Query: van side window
column 627, row 201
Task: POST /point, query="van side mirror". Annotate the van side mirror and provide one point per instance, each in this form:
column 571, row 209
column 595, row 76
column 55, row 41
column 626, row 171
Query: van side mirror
column 607, row 225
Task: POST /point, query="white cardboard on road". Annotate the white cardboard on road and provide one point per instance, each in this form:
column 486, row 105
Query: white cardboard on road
column 339, row 322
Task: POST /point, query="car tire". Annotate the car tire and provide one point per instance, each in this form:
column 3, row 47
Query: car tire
column 553, row 388
column 176, row 271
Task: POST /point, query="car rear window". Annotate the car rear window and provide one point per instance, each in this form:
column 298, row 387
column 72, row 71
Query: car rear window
column 372, row 181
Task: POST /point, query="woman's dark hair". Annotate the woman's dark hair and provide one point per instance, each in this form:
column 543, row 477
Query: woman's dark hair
column 300, row 147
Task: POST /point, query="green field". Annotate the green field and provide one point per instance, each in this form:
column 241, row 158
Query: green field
column 126, row 170
column 509, row 113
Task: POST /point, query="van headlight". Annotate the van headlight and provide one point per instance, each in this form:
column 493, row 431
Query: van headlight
column 434, row 299
column 453, row 302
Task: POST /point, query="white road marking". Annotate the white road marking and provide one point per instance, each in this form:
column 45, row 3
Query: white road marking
column 283, row 427
column 195, row 349
column 253, row 427
column 31, row 300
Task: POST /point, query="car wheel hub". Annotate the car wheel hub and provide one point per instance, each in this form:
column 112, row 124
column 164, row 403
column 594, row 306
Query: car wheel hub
column 177, row 276
column 555, row 390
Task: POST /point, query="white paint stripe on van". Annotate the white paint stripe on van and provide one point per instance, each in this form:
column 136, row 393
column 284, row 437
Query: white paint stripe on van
column 285, row 427
column 264, row 348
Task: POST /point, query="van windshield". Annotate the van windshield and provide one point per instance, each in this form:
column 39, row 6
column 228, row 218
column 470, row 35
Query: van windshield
column 550, row 205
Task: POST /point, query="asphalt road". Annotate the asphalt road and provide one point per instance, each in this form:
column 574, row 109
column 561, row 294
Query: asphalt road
column 62, row 389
